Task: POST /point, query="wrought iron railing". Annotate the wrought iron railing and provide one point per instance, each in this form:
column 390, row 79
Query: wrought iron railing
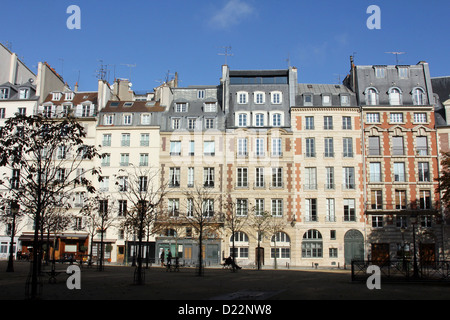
column 403, row 270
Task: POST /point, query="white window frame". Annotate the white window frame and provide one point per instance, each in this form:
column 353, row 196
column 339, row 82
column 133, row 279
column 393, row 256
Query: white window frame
column 276, row 97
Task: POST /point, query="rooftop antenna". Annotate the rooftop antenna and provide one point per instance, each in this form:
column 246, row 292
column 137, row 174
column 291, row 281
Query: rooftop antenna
column 288, row 60
column 101, row 72
column 226, row 54
column 130, row 66
column 8, row 45
column 396, row 55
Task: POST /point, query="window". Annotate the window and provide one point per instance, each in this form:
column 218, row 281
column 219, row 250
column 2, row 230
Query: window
column 371, row 97
column 276, row 120
column 311, row 178
column 106, row 159
column 127, row 119
column 311, row 210
column 346, row 123
column 242, row 147
column 259, row 207
column 56, row 96
column 349, row 210
column 2, row 113
column 421, row 146
column 377, row 221
column 209, row 148
column 276, row 147
column 376, row 199
column 259, row 97
column 259, row 177
column 104, row 184
column 191, row 147
column 400, row 199
column 259, row 147
column 145, row 118
column 175, row 148
column 174, row 177
column 242, row 120
column 15, row 179
column 4, row 93
column 181, row 107
column 396, row 117
column 375, row 172
column 124, row 159
column 190, row 182
column 312, row 245
column 242, row 177
column 330, row 212
column 108, row 119
column 122, row 208
column 326, row 100
column 125, row 142
column 310, row 148
column 380, row 72
column 24, row 93
column 329, row 184
column 349, row 178
column 373, row 117
column 329, row 148
column 143, row 183
column 424, row 172
column 242, row 97
column 259, row 120
column 208, row 177
column 402, row 73
column 333, row 252
column 276, row 97
column 374, row 146
column 420, row 117
column 174, row 207
column 425, row 221
column 307, row 100
column 395, row 97
column 86, row 111
column 277, row 177
column 145, row 139
column 277, row 207
column 418, row 96
column 328, row 123
column 345, row 100
column 399, row 172
column 208, row 207
column 241, row 207
column 309, row 123
column 189, row 211
column 425, row 199
column 209, row 123
column 176, row 123
column 397, row 146
column 123, row 184
column 348, row 147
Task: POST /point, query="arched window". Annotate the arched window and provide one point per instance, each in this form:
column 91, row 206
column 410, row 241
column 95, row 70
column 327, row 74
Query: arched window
column 281, row 238
column 312, row 244
column 371, row 96
column 241, row 245
column 395, row 97
column 280, row 243
column 239, row 237
column 418, row 96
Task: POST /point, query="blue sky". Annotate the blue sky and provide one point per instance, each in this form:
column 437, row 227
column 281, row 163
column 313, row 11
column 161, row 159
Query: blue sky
column 161, row 37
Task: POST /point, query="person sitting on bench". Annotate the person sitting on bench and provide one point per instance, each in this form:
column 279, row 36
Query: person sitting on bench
column 230, row 262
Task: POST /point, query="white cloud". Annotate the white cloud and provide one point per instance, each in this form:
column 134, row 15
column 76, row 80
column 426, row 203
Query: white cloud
column 231, row 14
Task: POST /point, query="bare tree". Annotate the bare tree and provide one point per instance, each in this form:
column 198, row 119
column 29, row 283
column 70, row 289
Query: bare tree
column 44, row 156
column 203, row 216
column 142, row 188
column 235, row 219
column 259, row 221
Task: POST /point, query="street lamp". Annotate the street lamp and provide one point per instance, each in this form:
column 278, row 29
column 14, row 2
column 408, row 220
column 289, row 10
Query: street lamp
column 415, row 268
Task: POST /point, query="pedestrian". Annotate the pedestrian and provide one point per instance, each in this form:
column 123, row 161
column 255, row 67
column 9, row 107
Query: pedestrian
column 169, row 258
column 161, row 256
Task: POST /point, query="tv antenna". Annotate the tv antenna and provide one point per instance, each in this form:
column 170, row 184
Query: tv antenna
column 101, row 72
column 288, row 60
column 130, row 66
column 396, row 55
column 226, row 54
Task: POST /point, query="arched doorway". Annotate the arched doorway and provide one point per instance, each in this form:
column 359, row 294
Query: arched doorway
column 353, row 246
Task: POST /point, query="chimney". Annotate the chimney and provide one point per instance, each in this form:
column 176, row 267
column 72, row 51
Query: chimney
column 76, row 87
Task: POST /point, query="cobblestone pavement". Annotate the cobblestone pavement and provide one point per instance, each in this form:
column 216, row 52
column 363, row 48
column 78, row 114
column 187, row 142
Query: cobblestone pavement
column 116, row 283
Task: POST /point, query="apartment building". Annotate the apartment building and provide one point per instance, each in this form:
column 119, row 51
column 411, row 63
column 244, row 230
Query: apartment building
column 400, row 160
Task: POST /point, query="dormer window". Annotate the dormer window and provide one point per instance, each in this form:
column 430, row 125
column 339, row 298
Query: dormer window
column 403, row 72
column 56, row 96
column 68, row 96
column 201, row 94
column 380, row 72
column 210, row 107
column 259, row 97
column 418, row 97
column 24, row 93
column 395, row 97
column 345, row 100
column 181, row 107
column 326, row 100
column 128, row 104
column 276, row 97
column 4, row 93
column 371, row 96
column 242, row 97
column 307, row 100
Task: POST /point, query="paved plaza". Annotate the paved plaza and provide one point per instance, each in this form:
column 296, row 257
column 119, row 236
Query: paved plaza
column 116, row 283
